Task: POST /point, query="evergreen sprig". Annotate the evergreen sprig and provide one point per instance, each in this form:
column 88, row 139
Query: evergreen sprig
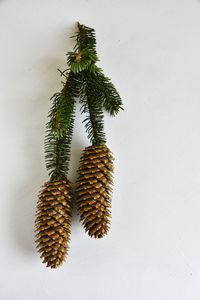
column 107, row 92
column 97, row 91
column 93, row 109
column 86, row 40
column 59, row 128
column 85, row 80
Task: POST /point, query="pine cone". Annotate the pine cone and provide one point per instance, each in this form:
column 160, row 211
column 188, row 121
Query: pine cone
column 94, row 189
column 53, row 221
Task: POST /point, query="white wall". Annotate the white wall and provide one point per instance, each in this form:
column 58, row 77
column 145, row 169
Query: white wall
column 151, row 50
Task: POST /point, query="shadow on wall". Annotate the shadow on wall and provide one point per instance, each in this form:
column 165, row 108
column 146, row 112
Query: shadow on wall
column 33, row 132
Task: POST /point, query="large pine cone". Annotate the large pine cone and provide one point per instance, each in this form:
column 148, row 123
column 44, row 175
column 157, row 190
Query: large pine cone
column 53, row 221
column 94, row 189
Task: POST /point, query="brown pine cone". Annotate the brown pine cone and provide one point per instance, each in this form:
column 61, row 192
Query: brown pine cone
column 54, row 210
column 94, row 189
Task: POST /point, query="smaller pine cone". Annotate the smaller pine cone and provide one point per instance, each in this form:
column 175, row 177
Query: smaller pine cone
column 53, row 220
column 94, row 189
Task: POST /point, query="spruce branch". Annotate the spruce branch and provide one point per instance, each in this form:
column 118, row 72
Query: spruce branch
column 92, row 107
column 107, row 92
column 85, row 55
column 85, row 80
column 59, row 128
column 57, row 142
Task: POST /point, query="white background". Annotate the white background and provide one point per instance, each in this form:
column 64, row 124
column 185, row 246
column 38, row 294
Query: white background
column 151, row 50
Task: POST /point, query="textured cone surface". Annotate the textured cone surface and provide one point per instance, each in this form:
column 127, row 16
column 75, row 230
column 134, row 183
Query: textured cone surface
column 94, row 189
column 53, row 219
